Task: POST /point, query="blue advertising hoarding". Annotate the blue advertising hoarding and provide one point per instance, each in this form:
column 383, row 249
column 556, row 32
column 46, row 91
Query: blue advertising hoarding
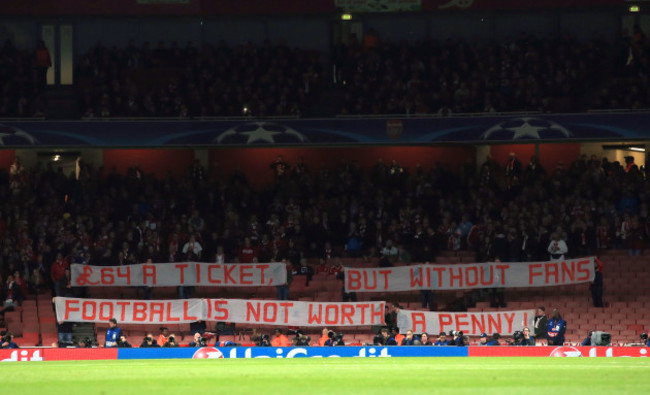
column 290, row 352
column 310, row 132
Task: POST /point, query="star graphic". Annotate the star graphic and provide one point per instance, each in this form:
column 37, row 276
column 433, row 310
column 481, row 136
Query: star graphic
column 526, row 130
column 260, row 134
column 2, row 136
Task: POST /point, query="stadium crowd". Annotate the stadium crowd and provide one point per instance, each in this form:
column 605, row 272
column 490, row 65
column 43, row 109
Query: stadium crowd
column 214, row 80
column 373, row 75
column 386, row 214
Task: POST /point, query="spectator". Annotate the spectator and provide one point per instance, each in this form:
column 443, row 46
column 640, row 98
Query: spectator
column 483, row 339
column 557, row 248
column 43, row 63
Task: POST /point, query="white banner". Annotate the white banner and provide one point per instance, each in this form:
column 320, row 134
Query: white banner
column 472, row 324
column 181, row 273
column 267, row 312
column 129, row 311
column 470, row 276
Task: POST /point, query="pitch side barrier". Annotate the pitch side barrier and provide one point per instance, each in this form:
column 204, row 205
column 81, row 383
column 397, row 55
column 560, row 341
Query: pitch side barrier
column 88, row 354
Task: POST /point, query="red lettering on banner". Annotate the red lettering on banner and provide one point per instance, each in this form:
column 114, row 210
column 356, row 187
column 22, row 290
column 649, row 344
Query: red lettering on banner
column 568, row 272
column 489, row 281
column 416, row 279
column 221, row 314
column 532, row 273
column 139, row 311
column 210, row 278
column 418, row 319
column 170, row 317
column 253, row 310
column 286, row 306
column 197, row 269
column 478, row 326
column 181, row 268
column 186, row 310
column 270, row 312
column 585, row 267
column 444, row 320
column 105, row 317
column 363, row 308
column 458, row 277
column 124, row 272
column 149, row 272
column 470, row 282
column 509, row 319
column 331, row 319
column 494, row 324
column 245, row 273
column 227, row 274
column 503, row 272
column 107, row 277
column 84, row 307
column 551, row 271
column 379, row 313
column 262, row 268
column 366, row 284
column 122, row 309
column 69, row 308
column 347, row 312
column 460, row 325
column 354, row 279
column 385, row 273
column 157, row 308
column 440, row 271
column 311, row 317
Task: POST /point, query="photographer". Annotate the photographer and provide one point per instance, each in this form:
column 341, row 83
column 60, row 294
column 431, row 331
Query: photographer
column 522, row 338
column 123, row 343
column 495, row 340
column 335, row 339
column 301, row 339
column 198, row 341
column 383, row 338
column 587, row 341
column 409, row 340
column 459, row 339
column 261, row 340
column 171, row 342
column 644, row 339
column 527, row 340
column 7, row 340
column 149, row 342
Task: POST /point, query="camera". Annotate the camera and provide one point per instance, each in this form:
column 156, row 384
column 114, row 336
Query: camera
column 644, row 337
column 336, row 339
column 301, row 339
column 264, row 341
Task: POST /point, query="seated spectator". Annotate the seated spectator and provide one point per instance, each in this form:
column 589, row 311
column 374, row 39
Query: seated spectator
column 409, row 339
column 442, row 340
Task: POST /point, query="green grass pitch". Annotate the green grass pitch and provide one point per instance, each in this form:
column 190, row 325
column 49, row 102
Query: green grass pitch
column 331, row 376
